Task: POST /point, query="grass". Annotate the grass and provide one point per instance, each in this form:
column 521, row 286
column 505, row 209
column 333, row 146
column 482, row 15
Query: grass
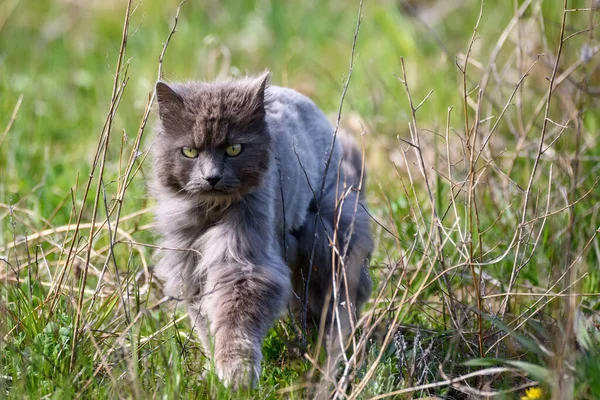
column 482, row 187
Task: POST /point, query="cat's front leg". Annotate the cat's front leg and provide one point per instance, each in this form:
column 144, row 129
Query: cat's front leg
column 241, row 307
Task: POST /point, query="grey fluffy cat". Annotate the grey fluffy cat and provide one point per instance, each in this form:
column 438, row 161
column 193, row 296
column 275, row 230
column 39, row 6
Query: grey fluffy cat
column 238, row 168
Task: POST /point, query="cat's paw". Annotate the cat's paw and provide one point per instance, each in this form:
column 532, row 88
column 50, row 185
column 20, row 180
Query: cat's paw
column 238, row 373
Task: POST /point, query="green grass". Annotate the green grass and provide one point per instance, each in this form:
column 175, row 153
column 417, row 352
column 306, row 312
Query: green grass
column 61, row 58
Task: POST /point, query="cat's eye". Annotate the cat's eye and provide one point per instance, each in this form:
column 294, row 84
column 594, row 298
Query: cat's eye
column 234, row 150
column 189, row 152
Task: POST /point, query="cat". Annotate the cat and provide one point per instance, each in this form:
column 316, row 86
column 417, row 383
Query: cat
column 238, row 167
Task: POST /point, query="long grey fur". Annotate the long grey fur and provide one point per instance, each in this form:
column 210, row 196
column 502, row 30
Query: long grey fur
column 262, row 212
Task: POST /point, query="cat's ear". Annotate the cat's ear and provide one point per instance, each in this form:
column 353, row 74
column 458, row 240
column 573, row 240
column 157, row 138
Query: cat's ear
column 260, row 86
column 169, row 101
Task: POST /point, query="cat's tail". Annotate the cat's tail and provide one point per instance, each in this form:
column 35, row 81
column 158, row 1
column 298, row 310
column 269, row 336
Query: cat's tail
column 352, row 161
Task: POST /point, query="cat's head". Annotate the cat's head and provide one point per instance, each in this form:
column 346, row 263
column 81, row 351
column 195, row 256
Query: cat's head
column 213, row 142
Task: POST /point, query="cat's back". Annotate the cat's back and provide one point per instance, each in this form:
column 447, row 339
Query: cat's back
column 294, row 115
column 302, row 138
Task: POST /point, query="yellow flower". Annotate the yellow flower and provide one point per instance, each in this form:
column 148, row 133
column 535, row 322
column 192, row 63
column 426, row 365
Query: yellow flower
column 533, row 393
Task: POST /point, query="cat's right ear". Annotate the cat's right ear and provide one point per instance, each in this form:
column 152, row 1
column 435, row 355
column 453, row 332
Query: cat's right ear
column 169, row 101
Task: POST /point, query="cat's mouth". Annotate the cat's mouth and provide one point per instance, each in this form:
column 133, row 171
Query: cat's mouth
column 201, row 188
column 215, row 192
column 215, row 198
column 209, row 191
column 221, row 195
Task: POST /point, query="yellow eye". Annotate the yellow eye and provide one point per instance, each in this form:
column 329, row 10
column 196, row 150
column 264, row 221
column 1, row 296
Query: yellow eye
column 189, row 152
column 234, row 150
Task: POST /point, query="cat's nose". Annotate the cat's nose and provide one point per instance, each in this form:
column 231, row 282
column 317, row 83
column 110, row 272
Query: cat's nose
column 213, row 180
